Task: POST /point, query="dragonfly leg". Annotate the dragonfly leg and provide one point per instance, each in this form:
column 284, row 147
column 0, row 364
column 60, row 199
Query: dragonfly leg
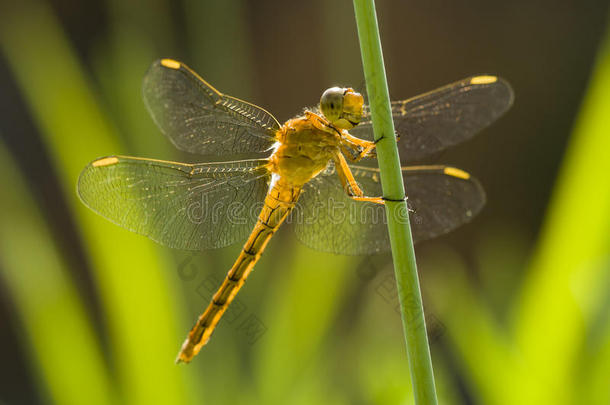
column 349, row 183
column 321, row 123
column 353, row 153
column 362, row 147
column 376, row 200
column 354, row 148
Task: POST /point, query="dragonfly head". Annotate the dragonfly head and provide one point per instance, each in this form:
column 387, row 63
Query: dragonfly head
column 342, row 107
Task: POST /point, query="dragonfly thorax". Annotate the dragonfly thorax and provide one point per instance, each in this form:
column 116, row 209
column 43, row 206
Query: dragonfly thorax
column 306, row 146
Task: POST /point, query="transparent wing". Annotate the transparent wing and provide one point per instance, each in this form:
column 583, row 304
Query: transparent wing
column 440, row 199
column 449, row 115
column 198, row 206
column 197, row 118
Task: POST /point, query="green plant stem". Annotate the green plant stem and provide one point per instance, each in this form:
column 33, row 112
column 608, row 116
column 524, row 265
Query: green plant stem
column 401, row 239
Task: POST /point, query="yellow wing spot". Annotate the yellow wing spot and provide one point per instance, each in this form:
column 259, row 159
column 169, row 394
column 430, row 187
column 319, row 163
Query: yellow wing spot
column 483, row 79
column 105, row 162
column 170, row 63
column 452, row 171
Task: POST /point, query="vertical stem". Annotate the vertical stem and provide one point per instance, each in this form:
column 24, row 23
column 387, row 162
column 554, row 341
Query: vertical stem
column 401, row 239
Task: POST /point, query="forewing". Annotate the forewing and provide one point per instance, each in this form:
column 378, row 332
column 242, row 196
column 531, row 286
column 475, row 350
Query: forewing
column 182, row 206
column 440, row 199
column 197, row 118
column 444, row 117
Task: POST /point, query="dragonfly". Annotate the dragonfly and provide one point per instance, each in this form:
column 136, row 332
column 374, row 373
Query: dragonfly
column 312, row 171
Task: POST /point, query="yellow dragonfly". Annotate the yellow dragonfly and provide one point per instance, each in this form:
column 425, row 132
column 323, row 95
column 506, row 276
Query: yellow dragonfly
column 307, row 171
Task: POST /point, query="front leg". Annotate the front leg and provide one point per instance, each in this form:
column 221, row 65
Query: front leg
column 361, row 147
column 321, row 123
column 354, row 148
column 352, row 152
column 349, row 183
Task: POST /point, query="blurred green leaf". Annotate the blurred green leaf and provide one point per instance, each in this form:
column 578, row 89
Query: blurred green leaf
column 139, row 300
column 594, row 367
column 302, row 304
column 60, row 339
column 484, row 348
column 559, row 294
column 137, row 30
column 382, row 379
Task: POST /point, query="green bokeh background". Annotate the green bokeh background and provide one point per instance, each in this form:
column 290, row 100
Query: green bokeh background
column 517, row 302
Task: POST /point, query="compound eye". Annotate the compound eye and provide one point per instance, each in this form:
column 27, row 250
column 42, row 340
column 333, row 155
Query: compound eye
column 331, row 103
